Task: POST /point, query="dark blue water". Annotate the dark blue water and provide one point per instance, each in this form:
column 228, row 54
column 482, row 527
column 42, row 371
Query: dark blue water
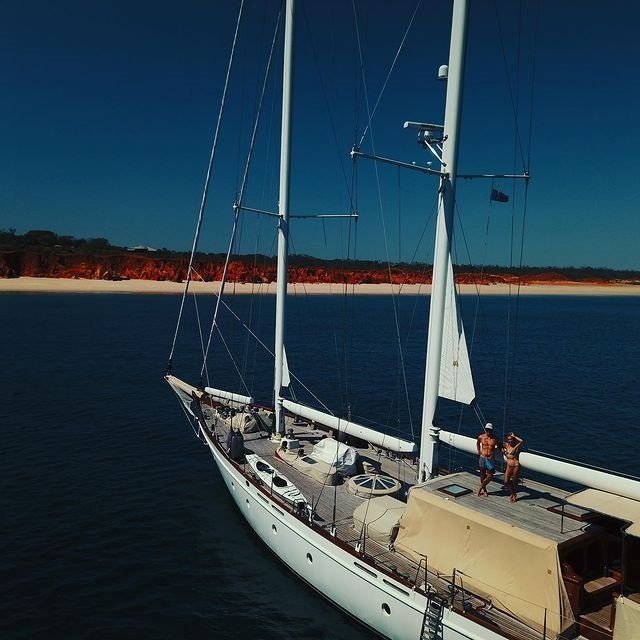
column 114, row 521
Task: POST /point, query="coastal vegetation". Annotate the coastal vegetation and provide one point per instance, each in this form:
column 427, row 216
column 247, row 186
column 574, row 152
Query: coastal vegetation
column 45, row 253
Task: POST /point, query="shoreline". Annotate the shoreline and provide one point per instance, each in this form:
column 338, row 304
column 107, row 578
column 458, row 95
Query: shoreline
column 68, row 285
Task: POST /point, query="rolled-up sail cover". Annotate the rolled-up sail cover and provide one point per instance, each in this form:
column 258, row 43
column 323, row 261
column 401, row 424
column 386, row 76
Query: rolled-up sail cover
column 228, row 395
column 352, row 428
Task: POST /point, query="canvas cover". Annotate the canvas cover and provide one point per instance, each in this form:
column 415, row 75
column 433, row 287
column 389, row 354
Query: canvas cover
column 627, row 620
column 316, row 469
column 336, row 453
column 611, row 505
column 250, row 425
column 517, row 570
column 379, row 517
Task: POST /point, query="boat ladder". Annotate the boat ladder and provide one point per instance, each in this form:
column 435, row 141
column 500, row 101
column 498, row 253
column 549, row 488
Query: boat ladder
column 432, row 623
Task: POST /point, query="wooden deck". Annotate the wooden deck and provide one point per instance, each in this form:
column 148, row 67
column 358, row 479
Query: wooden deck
column 531, row 512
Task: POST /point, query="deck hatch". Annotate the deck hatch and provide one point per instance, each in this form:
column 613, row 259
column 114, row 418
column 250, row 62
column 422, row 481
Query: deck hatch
column 455, row 490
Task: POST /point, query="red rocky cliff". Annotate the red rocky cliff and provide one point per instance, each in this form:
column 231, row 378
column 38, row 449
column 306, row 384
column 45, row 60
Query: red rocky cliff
column 144, row 267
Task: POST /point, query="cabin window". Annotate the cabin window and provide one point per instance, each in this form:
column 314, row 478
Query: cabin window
column 386, row 609
column 309, row 558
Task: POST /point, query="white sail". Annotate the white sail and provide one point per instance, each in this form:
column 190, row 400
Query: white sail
column 286, row 378
column 352, row 428
column 456, row 381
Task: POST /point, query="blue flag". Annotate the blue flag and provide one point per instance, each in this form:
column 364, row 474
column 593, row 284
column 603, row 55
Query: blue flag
column 498, row 196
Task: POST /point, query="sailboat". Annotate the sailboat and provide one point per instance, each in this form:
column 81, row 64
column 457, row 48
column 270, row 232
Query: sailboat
column 418, row 555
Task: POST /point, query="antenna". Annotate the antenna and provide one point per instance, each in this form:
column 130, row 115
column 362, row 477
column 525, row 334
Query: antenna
column 427, row 133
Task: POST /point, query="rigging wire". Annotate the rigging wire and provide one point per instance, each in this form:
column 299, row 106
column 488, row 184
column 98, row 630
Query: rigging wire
column 271, row 353
column 474, row 405
column 328, row 108
column 371, row 114
column 379, row 192
column 196, row 431
column 534, row 62
column 341, row 352
column 260, row 305
column 243, row 187
column 203, row 202
column 518, row 154
column 526, row 185
column 226, row 346
column 195, row 304
column 514, row 104
column 347, row 336
column 267, row 179
column 509, row 353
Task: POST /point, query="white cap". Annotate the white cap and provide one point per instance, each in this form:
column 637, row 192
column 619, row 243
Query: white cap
column 488, row 426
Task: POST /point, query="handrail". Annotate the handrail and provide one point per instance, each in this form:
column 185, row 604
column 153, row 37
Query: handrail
column 418, row 572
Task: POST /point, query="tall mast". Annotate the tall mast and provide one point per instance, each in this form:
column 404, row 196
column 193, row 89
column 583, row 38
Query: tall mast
column 444, row 230
column 283, row 210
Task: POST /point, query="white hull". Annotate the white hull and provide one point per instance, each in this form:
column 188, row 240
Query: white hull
column 335, row 573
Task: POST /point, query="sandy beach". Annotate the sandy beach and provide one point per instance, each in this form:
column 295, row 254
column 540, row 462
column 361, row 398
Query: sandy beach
column 62, row 285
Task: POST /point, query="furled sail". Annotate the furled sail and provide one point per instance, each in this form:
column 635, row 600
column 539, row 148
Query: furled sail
column 228, row 395
column 352, row 428
column 456, row 381
column 286, row 378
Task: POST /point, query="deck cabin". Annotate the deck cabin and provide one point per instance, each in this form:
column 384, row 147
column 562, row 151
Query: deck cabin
column 545, row 552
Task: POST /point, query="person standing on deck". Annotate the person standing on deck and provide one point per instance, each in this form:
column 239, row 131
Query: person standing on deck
column 511, row 451
column 486, row 445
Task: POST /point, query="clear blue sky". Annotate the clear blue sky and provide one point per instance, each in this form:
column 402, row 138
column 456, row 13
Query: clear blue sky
column 107, row 111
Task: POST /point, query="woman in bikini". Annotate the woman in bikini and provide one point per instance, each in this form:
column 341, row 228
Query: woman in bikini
column 511, row 450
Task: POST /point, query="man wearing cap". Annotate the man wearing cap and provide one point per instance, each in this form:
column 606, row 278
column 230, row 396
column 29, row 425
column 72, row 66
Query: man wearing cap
column 487, row 445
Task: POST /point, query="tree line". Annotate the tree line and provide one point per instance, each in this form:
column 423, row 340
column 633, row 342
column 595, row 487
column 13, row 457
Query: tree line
column 45, row 241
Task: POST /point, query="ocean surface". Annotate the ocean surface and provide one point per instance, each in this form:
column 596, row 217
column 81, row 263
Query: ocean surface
column 115, row 523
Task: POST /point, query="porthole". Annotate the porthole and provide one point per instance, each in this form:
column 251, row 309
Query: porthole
column 386, row 609
column 247, row 501
column 246, row 482
column 274, row 529
column 233, row 485
column 309, row 558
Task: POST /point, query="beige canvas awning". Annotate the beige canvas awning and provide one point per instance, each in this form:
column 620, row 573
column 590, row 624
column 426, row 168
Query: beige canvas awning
column 518, row 571
column 627, row 620
column 610, row 505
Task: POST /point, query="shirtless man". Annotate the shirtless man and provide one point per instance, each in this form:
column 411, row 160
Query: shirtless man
column 486, row 445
